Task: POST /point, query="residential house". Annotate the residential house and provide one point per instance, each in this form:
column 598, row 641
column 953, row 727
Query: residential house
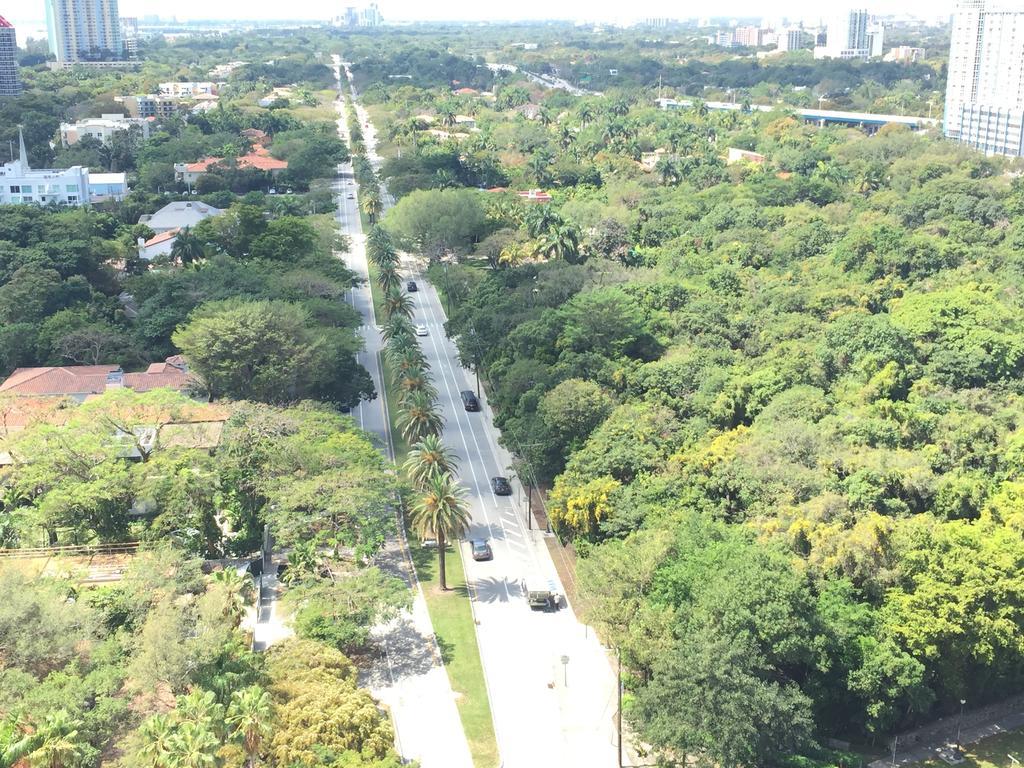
column 79, row 382
column 152, row 105
column 102, row 128
column 178, row 215
column 107, row 187
column 735, row 155
column 259, row 159
column 158, row 245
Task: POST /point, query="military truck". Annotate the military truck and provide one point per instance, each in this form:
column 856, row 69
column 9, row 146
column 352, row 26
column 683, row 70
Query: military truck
column 542, row 595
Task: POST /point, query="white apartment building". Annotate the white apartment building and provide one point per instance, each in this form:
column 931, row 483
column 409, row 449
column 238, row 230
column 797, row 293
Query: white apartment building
column 188, row 90
column 790, row 40
column 846, row 36
column 103, row 128
column 985, row 84
column 20, row 183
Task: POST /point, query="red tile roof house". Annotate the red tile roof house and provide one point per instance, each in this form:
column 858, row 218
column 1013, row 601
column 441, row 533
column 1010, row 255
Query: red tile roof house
column 259, row 159
column 78, row 382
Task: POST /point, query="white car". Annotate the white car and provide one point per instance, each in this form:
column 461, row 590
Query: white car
column 421, row 330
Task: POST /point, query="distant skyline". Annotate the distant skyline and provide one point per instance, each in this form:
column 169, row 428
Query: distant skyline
column 30, row 18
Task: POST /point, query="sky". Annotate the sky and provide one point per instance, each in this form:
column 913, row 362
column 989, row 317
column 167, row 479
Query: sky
column 30, row 16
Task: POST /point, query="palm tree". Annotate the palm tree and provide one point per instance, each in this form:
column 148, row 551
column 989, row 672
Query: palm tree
column 565, row 137
column 249, row 715
column 831, row 173
column 514, row 254
column 585, row 113
column 371, row 204
column 401, row 359
column 193, row 746
column 562, row 242
column 238, row 590
column 156, row 733
column 398, row 303
column 187, row 248
column 57, row 743
column 418, row 417
column 871, row 179
column 15, row 743
column 540, row 219
column 668, row 170
column 396, row 331
column 380, row 249
column 544, row 116
column 441, row 513
column 429, row 457
column 389, row 279
column 414, row 381
column 446, row 115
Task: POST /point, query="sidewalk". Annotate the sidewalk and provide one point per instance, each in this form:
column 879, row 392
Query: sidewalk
column 935, row 739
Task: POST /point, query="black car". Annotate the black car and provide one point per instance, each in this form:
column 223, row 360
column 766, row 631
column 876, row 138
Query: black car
column 469, row 400
column 411, row 286
column 481, row 550
column 501, row 486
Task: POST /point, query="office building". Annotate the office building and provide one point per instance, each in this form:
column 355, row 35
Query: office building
column 724, row 38
column 84, row 30
column 10, row 83
column 985, row 82
column 101, row 128
column 846, row 36
column 368, row 16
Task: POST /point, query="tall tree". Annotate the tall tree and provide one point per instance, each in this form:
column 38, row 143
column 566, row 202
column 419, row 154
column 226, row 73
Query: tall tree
column 441, row 513
column 429, row 457
column 250, row 717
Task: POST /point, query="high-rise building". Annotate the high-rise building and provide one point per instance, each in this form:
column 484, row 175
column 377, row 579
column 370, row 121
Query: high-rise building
column 876, row 39
column 985, row 82
column 10, row 83
column 84, row 30
column 130, row 37
column 847, row 36
column 790, row 39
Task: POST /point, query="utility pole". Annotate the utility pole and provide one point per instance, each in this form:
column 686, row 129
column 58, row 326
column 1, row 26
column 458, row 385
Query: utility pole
column 618, row 697
column 959, row 722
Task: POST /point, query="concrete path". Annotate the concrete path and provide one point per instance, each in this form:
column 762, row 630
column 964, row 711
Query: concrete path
column 270, row 626
column 409, row 676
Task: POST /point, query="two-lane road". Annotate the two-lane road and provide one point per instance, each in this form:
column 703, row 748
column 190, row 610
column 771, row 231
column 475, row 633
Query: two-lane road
column 546, row 712
column 410, row 680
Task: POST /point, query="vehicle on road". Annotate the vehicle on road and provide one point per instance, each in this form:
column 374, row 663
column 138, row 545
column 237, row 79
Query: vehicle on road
column 481, row 550
column 421, row 330
column 351, row 196
column 542, row 596
column 411, row 286
column 469, row 400
column 501, row 486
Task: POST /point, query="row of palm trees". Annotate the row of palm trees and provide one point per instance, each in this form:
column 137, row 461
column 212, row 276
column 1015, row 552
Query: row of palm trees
column 193, row 734
column 440, row 511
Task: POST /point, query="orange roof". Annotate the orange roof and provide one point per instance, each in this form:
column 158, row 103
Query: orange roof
column 261, row 161
column 143, row 382
column 466, row 91
column 93, row 379
column 162, row 237
column 70, row 380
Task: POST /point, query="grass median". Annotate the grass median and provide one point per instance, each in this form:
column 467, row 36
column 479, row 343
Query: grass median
column 450, row 612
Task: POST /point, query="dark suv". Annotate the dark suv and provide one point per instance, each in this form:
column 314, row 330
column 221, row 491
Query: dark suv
column 469, row 400
column 501, row 486
column 411, row 287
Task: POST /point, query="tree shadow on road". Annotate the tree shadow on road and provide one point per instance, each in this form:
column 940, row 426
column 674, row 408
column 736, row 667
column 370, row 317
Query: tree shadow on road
column 493, row 590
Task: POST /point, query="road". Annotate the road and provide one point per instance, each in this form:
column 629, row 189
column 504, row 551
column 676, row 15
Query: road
column 409, row 677
column 546, row 713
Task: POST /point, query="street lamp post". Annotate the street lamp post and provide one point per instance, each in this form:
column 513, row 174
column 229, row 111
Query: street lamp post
column 565, row 671
column 959, row 722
